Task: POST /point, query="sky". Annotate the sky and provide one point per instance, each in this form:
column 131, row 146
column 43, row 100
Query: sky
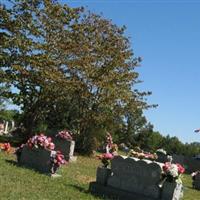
column 166, row 33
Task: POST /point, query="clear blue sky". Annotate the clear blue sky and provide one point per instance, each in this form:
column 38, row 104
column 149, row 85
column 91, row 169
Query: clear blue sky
column 167, row 35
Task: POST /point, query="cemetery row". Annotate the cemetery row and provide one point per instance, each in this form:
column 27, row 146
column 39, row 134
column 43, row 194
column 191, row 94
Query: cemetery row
column 139, row 175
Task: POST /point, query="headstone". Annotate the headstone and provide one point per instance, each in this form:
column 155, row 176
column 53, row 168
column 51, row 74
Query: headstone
column 102, row 175
column 6, row 128
column 36, row 158
column 138, row 179
column 12, row 125
column 131, row 174
column 66, row 147
column 196, row 182
column 161, row 157
column 178, row 159
column 1, row 128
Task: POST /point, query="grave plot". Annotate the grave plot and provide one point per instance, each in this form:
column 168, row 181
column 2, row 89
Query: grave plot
column 65, row 143
column 132, row 178
column 38, row 153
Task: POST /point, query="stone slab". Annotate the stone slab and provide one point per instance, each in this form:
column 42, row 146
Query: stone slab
column 114, row 193
column 38, row 159
column 66, row 147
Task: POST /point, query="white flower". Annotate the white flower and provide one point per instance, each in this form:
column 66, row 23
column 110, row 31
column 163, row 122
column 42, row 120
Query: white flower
column 173, row 170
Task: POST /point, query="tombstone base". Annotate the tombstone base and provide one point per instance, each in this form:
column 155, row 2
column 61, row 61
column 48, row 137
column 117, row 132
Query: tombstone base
column 101, row 190
column 55, row 175
column 172, row 191
column 72, row 158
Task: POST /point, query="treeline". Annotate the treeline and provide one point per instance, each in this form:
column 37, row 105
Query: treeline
column 151, row 141
column 145, row 137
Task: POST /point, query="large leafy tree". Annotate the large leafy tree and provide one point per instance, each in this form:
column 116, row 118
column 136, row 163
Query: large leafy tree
column 68, row 65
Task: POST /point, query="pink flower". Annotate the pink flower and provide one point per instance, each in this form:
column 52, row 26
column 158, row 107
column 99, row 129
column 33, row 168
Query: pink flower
column 181, row 169
column 108, row 156
column 166, row 166
column 41, row 141
column 64, row 135
column 51, row 146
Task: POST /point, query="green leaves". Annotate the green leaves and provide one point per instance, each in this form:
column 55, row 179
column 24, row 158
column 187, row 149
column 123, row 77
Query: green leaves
column 59, row 56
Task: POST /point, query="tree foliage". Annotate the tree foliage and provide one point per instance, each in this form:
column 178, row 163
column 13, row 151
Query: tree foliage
column 71, row 68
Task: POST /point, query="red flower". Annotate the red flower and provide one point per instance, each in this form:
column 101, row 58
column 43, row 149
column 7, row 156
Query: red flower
column 6, row 147
column 166, row 166
column 181, row 169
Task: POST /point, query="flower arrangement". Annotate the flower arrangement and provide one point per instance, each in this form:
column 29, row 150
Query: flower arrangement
column 114, row 149
column 172, row 172
column 105, row 159
column 41, row 141
column 5, row 147
column 65, row 134
column 57, row 159
column 142, row 155
column 109, row 140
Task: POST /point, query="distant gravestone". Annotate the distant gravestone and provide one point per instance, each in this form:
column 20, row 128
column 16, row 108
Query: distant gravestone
column 66, row 147
column 178, row 159
column 192, row 164
column 196, row 182
column 162, row 158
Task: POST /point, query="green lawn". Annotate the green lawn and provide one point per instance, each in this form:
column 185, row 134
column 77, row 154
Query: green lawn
column 18, row 183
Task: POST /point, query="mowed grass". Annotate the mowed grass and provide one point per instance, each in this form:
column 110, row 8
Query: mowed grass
column 18, row 183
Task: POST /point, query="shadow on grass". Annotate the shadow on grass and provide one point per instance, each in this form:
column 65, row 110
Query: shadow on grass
column 12, row 162
column 79, row 188
column 15, row 163
column 83, row 190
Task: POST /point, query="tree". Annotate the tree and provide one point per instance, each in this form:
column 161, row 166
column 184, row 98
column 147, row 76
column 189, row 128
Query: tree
column 155, row 141
column 68, row 65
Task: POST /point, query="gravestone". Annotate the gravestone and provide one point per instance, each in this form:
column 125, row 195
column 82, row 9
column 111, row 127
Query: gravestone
column 36, row 158
column 131, row 174
column 178, row 159
column 102, row 175
column 132, row 178
column 192, row 164
column 66, row 147
column 196, row 182
column 162, row 158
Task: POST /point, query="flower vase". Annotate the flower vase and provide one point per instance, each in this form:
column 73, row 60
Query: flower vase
column 102, row 175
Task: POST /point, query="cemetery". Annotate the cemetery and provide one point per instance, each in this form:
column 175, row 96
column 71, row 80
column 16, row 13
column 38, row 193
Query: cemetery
column 75, row 124
column 123, row 178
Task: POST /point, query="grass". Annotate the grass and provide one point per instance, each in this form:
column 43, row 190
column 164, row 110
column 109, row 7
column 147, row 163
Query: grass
column 17, row 183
